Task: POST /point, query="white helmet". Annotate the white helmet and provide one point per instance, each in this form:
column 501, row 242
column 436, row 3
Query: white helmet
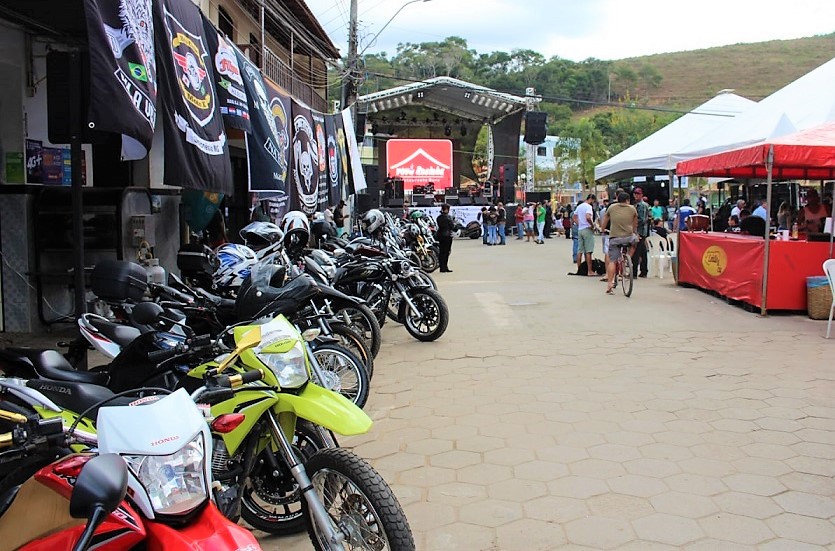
column 296, row 230
column 373, row 220
column 235, row 263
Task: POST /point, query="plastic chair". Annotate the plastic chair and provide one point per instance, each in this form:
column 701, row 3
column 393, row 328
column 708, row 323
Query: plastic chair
column 829, row 270
column 671, row 249
column 658, row 254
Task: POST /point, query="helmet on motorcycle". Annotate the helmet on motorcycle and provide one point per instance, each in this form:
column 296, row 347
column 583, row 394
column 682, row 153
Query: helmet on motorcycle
column 416, row 215
column 322, row 229
column 373, row 220
column 410, row 232
column 235, row 262
column 260, row 234
column 296, row 230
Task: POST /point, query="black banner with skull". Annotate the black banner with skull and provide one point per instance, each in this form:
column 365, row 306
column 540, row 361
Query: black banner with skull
column 268, row 144
column 229, row 84
column 337, row 162
column 196, row 152
column 305, row 161
column 123, row 72
column 318, row 120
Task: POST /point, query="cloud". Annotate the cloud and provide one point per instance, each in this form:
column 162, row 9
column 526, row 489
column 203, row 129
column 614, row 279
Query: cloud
column 579, row 29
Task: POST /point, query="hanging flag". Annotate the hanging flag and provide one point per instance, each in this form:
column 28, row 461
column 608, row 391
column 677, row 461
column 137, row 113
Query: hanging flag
column 231, row 96
column 334, row 160
column 268, row 146
column 346, row 186
column 357, row 179
column 196, row 152
column 123, row 72
column 318, row 120
column 305, row 160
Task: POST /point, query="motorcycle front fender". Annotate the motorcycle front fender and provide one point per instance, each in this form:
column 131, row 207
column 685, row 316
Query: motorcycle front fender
column 209, row 530
column 325, row 408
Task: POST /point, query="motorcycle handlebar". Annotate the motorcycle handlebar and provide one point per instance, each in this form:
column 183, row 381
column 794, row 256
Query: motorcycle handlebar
column 162, row 355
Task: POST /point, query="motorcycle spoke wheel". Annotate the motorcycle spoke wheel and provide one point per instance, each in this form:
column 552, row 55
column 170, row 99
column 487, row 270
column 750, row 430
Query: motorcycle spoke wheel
column 432, row 316
column 345, row 372
column 274, row 505
column 352, row 340
column 363, row 321
column 359, row 503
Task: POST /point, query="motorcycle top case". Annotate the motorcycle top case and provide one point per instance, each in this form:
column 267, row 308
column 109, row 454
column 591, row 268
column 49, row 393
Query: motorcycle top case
column 119, row 280
column 193, row 258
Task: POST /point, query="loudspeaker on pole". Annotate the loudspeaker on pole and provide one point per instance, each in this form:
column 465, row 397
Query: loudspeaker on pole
column 535, row 127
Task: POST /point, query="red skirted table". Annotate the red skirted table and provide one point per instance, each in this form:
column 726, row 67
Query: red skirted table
column 732, row 266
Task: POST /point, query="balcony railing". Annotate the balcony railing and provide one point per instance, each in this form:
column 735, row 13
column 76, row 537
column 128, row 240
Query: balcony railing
column 276, row 70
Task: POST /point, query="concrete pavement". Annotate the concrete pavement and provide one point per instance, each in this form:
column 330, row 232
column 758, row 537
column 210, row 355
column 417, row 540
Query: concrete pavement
column 552, row 416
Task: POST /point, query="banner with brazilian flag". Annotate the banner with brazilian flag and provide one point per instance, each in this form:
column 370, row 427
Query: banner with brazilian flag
column 123, row 72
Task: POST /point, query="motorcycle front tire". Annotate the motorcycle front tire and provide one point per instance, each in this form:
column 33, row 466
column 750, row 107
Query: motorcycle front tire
column 363, row 321
column 351, row 376
column 352, row 340
column 362, row 497
column 430, row 262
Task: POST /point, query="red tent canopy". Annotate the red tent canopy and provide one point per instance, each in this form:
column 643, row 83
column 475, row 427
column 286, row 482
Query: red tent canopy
column 804, row 155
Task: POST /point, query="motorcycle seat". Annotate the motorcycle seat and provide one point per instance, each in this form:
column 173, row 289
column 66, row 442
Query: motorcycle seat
column 118, row 333
column 52, row 365
column 76, row 397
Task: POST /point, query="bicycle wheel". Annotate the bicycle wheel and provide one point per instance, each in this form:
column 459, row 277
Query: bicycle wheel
column 627, row 276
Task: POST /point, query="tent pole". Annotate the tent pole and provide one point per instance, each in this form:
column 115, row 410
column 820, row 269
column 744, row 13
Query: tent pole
column 769, row 164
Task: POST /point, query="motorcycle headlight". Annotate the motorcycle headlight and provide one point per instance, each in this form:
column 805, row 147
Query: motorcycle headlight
column 289, row 367
column 175, row 483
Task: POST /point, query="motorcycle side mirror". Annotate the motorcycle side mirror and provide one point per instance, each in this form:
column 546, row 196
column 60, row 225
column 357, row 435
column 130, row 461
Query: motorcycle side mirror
column 100, row 487
column 146, row 313
column 243, row 341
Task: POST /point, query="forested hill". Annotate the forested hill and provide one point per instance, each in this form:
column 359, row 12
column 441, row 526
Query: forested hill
column 604, row 103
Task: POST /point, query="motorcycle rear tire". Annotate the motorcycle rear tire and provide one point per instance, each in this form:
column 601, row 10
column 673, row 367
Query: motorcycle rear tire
column 348, row 369
column 370, row 502
column 364, row 322
column 352, row 340
column 425, row 298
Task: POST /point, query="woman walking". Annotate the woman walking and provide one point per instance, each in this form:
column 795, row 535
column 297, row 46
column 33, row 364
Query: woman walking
column 528, row 217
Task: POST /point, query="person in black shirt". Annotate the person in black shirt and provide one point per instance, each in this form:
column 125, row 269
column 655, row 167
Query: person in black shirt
column 446, row 225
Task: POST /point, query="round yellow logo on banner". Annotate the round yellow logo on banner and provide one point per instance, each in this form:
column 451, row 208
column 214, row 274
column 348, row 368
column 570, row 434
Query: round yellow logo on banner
column 714, row 261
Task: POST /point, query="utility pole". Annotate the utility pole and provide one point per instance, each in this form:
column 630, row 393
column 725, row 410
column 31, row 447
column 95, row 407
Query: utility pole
column 349, row 87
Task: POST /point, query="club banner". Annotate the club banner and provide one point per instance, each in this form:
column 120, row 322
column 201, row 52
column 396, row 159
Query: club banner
column 229, row 84
column 322, row 155
column 305, row 160
column 268, row 145
column 356, row 182
column 335, row 159
column 123, row 72
column 196, row 152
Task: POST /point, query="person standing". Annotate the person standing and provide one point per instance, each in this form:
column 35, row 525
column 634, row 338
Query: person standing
column 784, row 217
column 584, row 216
column 492, row 226
column 639, row 258
column 501, row 213
column 339, row 218
column 761, row 210
column 520, row 221
column 482, row 217
column 540, row 223
column 685, row 211
column 657, row 211
column 549, row 220
column 812, row 217
column 622, row 220
column 529, row 217
column 446, row 226
column 740, row 204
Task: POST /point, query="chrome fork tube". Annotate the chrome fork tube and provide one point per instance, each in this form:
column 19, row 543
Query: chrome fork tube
column 320, row 516
column 405, row 296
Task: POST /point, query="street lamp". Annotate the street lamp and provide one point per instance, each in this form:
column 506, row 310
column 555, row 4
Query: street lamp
column 377, row 34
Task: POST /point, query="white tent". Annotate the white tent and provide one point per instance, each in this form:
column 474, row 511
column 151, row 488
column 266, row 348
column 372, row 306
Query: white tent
column 655, row 153
column 808, row 101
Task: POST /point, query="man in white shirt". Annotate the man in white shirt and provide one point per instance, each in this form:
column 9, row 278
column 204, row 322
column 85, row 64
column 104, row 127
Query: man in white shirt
column 584, row 216
column 739, row 206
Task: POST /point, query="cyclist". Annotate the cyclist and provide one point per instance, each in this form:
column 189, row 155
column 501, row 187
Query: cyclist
column 623, row 230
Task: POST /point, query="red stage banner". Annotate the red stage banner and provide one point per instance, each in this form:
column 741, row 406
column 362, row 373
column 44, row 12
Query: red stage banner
column 419, row 162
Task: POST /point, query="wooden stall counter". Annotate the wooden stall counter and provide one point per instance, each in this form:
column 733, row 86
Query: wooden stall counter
column 732, row 266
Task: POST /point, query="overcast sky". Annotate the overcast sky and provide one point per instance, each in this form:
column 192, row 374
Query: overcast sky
column 577, row 29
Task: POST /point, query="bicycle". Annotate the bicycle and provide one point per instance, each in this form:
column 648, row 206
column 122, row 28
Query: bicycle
column 623, row 270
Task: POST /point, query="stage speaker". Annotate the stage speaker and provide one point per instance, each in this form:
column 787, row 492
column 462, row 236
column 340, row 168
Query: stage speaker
column 366, row 202
column 465, row 200
column 508, row 181
column 452, row 200
column 424, row 202
column 535, row 127
column 398, row 189
column 372, row 176
column 480, row 201
column 395, row 203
